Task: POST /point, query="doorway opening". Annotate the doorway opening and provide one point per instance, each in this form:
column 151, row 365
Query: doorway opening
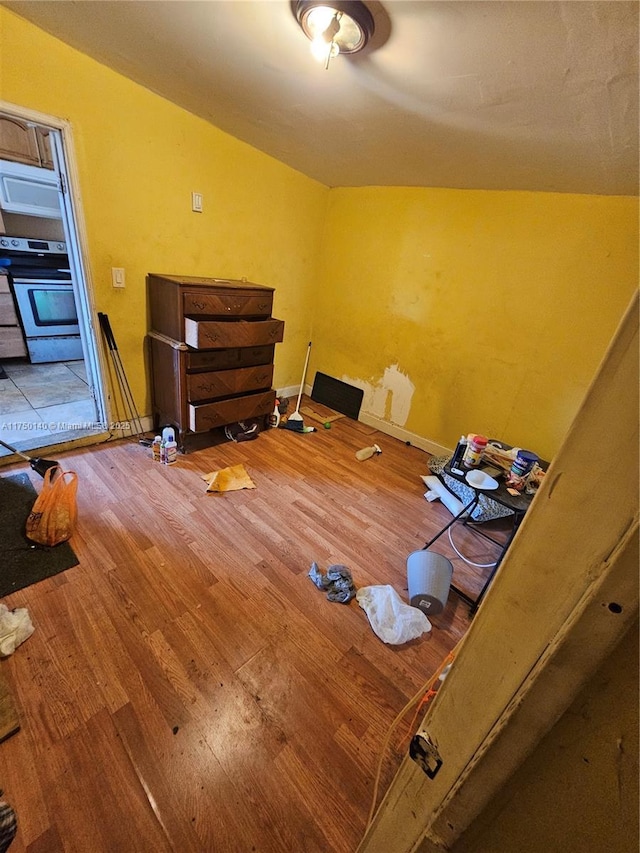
column 51, row 385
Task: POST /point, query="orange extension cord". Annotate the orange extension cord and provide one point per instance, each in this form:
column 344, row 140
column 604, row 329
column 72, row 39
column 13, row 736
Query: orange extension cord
column 422, row 697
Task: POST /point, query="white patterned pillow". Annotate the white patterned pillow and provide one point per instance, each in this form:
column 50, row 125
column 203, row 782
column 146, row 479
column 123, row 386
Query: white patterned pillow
column 486, row 510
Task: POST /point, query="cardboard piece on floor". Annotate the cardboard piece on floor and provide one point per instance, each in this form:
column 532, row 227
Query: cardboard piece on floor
column 307, row 410
column 228, row 479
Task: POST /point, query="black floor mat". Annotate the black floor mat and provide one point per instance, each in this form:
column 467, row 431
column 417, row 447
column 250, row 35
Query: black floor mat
column 22, row 562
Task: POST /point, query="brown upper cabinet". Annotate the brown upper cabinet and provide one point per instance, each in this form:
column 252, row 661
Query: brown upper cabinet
column 24, row 142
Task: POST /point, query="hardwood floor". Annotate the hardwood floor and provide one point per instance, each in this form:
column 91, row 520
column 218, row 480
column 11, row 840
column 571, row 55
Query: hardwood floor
column 187, row 687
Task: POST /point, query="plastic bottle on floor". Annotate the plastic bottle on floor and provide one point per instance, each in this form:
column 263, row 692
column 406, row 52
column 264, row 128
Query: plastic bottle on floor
column 367, row 452
column 171, row 451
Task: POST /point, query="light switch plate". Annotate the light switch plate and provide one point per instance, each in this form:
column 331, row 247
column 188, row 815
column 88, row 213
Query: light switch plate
column 117, row 276
column 196, row 202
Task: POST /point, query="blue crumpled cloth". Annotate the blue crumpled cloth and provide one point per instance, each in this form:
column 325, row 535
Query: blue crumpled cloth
column 337, row 582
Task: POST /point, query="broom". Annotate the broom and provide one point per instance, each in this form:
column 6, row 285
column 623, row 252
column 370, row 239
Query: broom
column 40, row 466
column 296, row 416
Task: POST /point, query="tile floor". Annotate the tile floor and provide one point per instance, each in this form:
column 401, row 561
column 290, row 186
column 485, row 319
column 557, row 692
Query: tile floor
column 44, row 404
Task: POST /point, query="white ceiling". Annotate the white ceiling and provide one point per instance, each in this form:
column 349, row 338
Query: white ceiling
column 485, row 95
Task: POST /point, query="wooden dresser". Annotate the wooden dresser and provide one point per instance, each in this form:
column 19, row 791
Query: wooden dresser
column 212, row 345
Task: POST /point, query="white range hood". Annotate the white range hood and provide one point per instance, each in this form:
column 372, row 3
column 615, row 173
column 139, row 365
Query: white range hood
column 29, row 190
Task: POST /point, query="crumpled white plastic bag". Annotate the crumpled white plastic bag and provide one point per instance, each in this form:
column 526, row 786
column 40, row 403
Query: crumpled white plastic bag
column 15, row 628
column 391, row 619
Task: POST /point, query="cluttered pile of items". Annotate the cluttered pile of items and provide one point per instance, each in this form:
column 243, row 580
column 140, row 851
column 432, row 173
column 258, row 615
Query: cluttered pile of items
column 482, row 464
column 521, row 467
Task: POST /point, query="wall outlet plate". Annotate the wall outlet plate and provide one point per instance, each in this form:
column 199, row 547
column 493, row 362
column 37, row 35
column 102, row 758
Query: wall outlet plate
column 196, row 202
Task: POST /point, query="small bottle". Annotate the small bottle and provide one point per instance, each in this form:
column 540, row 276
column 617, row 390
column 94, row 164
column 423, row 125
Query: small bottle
column 474, row 451
column 274, row 417
column 163, row 451
column 367, row 452
column 458, row 454
column 168, row 434
column 171, row 451
column 155, row 448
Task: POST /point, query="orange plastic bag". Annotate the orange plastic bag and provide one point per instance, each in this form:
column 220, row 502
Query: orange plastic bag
column 53, row 516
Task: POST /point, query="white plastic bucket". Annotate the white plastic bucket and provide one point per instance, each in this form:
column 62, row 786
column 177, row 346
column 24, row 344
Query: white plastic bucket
column 429, row 578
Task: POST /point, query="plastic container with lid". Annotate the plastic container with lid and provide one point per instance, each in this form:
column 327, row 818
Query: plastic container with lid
column 474, row 451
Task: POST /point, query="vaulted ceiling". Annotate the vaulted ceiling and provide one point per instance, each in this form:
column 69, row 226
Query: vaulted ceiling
column 486, row 95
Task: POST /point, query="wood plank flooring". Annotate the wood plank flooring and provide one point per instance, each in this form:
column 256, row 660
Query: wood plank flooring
column 187, row 687
column 9, row 722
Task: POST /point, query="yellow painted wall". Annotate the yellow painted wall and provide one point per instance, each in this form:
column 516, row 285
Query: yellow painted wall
column 455, row 310
column 460, row 311
column 139, row 159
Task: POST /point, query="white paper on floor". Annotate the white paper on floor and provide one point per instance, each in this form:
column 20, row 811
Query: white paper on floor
column 391, row 619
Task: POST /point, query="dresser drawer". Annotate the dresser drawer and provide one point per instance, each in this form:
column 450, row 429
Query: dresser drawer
column 226, row 383
column 205, row 416
column 219, row 334
column 232, row 303
column 220, row 359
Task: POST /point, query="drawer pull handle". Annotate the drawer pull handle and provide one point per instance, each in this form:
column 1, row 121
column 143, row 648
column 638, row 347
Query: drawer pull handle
column 212, row 336
column 264, row 306
column 199, row 305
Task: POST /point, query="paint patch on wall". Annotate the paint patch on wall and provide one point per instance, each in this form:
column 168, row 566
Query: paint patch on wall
column 389, row 398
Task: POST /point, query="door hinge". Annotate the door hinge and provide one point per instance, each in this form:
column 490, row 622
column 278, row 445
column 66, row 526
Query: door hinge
column 425, row 753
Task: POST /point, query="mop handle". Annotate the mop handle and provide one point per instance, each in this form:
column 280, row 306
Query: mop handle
column 304, row 373
column 105, row 325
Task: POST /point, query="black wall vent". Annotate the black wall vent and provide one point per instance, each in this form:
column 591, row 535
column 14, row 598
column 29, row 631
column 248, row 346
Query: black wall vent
column 337, row 395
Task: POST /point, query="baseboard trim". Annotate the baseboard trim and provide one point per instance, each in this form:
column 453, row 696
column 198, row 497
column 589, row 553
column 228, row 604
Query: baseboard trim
column 402, row 434
column 292, row 391
column 385, row 427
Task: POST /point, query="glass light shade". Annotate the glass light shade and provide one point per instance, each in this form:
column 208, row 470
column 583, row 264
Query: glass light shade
column 349, row 37
column 346, row 23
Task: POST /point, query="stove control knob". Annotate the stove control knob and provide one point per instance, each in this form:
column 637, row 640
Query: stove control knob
column 15, row 243
column 4, row 242
column 60, row 246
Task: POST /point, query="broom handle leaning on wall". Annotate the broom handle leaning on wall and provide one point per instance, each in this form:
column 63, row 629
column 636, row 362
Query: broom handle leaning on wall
column 127, row 396
column 304, row 373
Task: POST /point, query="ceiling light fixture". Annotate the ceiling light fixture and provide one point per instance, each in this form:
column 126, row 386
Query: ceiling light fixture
column 334, row 26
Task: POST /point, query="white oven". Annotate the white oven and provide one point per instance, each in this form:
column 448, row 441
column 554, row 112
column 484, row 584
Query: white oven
column 46, row 307
column 47, row 310
column 41, row 283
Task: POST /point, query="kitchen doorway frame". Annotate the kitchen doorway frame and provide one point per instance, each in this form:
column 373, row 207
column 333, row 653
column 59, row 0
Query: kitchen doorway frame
column 75, row 234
